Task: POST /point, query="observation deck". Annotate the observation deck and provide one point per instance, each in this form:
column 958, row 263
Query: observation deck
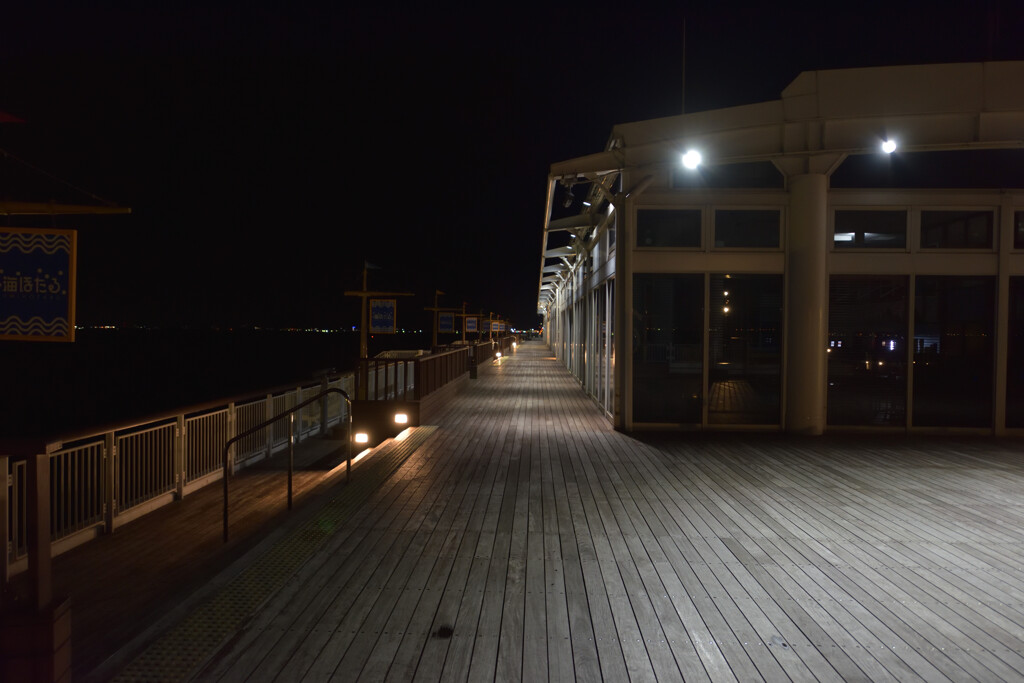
column 519, row 537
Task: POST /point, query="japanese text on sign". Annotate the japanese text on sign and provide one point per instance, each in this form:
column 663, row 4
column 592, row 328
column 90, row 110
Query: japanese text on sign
column 382, row 316
column 37, row 284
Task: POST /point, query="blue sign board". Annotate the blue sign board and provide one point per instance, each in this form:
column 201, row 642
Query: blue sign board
column 470, row 324
column 445, row 322
column 37, row 284
column 382, row 316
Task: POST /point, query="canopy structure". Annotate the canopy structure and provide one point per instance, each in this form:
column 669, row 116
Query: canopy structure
column 822, row 118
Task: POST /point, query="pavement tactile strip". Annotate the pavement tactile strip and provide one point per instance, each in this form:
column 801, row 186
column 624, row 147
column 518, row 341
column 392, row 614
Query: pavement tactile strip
column 176, row 654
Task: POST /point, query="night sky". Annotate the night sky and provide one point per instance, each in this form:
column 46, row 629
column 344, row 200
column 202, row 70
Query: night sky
column 268, row 149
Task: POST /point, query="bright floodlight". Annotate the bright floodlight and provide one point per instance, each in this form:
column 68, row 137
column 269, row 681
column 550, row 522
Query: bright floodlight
column 691, row 159
column 889, row 146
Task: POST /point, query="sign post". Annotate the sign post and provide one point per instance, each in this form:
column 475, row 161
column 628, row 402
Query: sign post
column 384, row 308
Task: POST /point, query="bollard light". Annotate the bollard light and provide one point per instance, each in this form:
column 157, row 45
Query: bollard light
column 498, row 355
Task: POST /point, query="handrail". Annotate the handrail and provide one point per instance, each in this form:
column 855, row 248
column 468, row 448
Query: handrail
column 291, row 444
column 58, row 440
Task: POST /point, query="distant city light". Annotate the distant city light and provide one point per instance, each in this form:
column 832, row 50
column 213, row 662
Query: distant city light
column 692, row 159
column 889, row 146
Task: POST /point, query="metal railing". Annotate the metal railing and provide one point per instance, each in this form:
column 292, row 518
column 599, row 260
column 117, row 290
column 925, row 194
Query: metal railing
column 436, row 370
column 317, row 399
column 101, row 480
column 388, row 379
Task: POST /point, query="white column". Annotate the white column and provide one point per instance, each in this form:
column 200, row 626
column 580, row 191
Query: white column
column 806, row 304
column 622, row 383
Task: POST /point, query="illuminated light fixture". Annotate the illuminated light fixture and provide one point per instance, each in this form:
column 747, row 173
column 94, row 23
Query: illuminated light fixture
column 725, row 309
column 889, row 146
column 401, row 419
column 498, row 355
column 361, row 437
column 692, row 159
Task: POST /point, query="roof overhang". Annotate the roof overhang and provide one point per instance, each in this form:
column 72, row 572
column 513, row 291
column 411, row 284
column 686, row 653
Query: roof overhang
column 821, row 118
column 19, row 208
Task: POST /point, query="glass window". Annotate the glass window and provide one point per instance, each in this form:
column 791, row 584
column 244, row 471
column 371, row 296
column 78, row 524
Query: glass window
column 668, row 228
column 745, row 349
column 956, row 229
column 668, row 335
column 1015, row 356
column 747, row 228
column 867, row 350
column 870, row 230
column 954, row 322
column 1018, row 230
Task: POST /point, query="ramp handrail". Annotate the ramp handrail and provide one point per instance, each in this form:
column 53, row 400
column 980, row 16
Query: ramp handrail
column 290, row 413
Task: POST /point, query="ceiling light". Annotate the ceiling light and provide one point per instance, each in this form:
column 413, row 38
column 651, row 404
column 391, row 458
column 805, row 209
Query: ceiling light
column 692, row 159
column 889, row 146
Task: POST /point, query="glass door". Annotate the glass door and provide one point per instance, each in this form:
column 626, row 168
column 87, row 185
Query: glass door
column 668, row 347
column 744, row 349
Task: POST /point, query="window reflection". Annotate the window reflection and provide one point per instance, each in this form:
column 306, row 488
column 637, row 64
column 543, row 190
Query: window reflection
column 748, row 228
column 956, row 229
column 668, row 228
column 870, row 229
column 1015, row 357
column 668, row 320
column 954, row 319
column 867, row 350
column 744, row 349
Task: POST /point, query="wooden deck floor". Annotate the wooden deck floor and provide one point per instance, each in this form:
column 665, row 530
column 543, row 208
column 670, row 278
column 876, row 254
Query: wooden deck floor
column 526, row 540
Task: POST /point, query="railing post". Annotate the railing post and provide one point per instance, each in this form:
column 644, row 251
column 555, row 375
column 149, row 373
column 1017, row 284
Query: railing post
column 323, row 406
column 5, row 537
column 268, row 414
column 179, row 455
column 291, row 455
column 418, row 374
column 232, row 430
column 39, row 558
column 109, row 481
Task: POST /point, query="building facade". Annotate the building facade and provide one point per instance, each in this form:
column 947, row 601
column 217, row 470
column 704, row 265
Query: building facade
column 847, row 257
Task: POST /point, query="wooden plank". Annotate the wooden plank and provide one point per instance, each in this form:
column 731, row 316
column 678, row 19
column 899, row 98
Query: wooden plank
column 555, row 547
